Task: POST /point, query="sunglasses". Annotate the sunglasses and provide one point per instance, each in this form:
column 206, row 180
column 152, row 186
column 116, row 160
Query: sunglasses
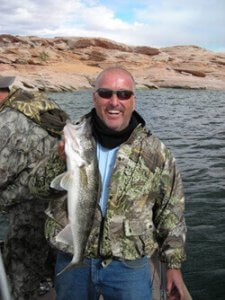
column 121, row 94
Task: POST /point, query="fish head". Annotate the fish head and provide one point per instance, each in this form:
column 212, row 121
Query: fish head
column 73, row 134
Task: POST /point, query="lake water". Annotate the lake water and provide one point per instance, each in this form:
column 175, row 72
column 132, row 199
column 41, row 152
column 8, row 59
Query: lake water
column 192, row 124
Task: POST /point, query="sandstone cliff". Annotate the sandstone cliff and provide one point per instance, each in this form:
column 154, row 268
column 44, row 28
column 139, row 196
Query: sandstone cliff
column 70, row 63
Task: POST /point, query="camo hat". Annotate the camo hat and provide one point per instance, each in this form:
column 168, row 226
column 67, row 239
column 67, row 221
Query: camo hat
column 6, row 81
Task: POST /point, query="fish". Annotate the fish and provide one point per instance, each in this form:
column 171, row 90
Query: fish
column 81, row 190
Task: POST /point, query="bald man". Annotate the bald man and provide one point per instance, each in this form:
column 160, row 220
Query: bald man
column 139, row 202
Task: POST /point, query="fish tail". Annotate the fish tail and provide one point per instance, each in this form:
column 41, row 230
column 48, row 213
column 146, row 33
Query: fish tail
column 72, row 265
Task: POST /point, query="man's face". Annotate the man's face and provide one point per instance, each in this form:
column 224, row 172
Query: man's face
column 3, row 94
column 115, row 113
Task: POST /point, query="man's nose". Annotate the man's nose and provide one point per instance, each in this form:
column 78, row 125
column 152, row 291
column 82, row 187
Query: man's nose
column 114, row 100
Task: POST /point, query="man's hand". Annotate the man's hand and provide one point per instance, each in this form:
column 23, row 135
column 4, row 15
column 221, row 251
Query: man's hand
column 174, row 284
column 61, row 149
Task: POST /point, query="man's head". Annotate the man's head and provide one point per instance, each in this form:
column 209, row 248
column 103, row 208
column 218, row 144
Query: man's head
column 114, row 97
column 5, row 83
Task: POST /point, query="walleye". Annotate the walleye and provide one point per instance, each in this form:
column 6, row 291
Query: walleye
column 81, row 190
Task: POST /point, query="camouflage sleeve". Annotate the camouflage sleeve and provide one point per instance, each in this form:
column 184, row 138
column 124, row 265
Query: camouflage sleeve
column 22, row 144
column 169, row 215
column 42, row 175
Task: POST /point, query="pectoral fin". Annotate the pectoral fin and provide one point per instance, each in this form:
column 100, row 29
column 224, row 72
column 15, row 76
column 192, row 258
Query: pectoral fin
column 56, row 182
column 67, row 181
column 65, row 236
column 62, row 182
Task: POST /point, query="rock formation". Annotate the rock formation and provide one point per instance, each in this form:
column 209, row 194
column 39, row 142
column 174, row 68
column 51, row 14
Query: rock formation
column 71, row 63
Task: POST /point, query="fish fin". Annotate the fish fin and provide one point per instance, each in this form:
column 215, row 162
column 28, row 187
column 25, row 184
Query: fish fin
column 56, row 182
column 72, row 265
column 65, row 236
column 67, row 181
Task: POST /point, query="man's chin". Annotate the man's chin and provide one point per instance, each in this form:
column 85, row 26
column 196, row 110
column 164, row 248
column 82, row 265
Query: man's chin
column 112, row 123
column 115, row 127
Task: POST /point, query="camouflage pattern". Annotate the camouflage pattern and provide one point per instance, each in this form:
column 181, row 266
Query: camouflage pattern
column 26, row 250
column 32, row 105
column 24, row 102
column 22, row 144
column 145, row 206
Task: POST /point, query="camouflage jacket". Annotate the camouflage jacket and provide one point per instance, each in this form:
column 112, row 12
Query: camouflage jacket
column 145, row 206
column 23, row 142
column 29, row 126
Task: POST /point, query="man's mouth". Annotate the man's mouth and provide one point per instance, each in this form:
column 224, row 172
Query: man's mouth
column 113, row 112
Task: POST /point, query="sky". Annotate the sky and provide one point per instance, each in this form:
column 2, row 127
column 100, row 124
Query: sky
column 154, row 23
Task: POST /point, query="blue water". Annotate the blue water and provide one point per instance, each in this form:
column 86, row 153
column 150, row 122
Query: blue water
column 192, row 124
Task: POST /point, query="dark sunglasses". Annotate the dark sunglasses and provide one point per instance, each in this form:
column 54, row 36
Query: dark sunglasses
column 121, row 94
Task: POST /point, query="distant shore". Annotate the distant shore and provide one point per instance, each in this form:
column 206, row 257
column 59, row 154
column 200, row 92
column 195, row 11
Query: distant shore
column 68, row 64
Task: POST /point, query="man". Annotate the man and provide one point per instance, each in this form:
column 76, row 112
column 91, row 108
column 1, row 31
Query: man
column 141, row 203
column 30, row 126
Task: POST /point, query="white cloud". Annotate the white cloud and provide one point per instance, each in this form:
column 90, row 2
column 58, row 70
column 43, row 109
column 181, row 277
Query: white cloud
column 155, row 23
column 24, row 17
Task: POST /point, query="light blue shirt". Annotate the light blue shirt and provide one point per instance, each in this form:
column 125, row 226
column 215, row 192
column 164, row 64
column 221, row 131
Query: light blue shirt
column 106, row 161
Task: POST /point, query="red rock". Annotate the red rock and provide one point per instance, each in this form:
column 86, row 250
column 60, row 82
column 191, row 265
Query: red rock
column 147, row 50
column 64, row 63
column 192, row 72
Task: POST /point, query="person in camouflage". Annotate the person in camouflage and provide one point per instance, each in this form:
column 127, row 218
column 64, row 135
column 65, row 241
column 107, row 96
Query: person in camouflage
column 140, row 202
column 30, row 126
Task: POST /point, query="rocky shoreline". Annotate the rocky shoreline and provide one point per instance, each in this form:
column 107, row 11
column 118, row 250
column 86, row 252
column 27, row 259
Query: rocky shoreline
column 72, row 63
